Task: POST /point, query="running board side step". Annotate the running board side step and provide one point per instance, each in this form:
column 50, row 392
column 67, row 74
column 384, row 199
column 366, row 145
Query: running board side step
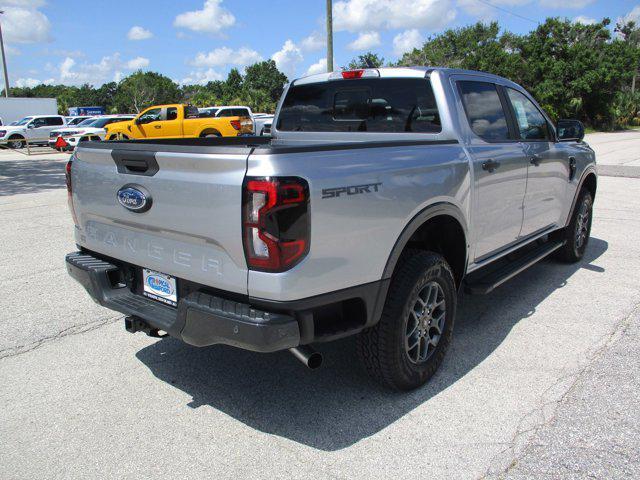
column 495, row 278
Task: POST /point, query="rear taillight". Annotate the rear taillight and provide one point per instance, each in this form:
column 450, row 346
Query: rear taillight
column 276, row 227
column 236, row 124
column 67, row 175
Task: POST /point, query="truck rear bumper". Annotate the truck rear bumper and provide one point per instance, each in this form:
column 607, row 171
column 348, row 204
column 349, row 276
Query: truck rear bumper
column 200, row 319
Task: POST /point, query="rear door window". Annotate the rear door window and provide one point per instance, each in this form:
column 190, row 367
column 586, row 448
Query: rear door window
column 54, row 121
column 172, row 113
column 485, row 112
column 391, row 105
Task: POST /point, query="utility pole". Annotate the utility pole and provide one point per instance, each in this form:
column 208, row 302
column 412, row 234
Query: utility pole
column 329, row 36
column 4, row 62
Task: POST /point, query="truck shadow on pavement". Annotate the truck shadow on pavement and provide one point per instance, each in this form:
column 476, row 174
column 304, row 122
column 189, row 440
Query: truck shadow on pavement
column 337, row 405
column 30, row 176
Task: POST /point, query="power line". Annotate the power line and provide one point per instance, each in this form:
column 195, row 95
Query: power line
column 509, row 12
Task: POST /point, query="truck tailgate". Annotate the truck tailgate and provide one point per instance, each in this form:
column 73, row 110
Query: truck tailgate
column 192, row 229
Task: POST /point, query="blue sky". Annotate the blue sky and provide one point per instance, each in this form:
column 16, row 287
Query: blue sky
column 191, row 41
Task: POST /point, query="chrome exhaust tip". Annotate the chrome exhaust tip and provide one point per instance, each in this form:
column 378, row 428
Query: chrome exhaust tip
column 308, row 356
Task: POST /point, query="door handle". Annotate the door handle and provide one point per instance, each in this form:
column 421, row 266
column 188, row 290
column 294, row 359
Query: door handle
column 535, row 160
column 572, row 167
column 490, row 165
column 157, row 126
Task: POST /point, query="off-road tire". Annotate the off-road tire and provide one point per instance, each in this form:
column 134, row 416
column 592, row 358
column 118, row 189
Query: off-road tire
column 576, row 234
column 382, row 349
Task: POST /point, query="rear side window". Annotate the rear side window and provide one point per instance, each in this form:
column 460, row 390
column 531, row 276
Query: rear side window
column 53, row 121
column 240, row 112
column 191, row 112
column 484, row 110
column 391, row 105
column 172, row 113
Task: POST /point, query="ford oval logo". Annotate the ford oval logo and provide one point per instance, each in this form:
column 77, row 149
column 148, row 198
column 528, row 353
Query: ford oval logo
column 134, row 198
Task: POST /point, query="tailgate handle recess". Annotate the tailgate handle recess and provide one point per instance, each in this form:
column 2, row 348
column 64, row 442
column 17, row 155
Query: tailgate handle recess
column 135, row 163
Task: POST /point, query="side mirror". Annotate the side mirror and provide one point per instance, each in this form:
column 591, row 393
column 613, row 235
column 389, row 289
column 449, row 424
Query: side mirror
column 570, row 130
column 31, row 125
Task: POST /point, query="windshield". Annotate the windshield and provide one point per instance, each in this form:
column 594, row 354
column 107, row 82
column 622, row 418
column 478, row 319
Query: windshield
column 24, row 121
column 389, row 105
column 85, row 123
column 101, row 122
column 78, row 121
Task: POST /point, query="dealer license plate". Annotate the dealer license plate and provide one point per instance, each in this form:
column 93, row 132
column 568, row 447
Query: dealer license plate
column 160, row 287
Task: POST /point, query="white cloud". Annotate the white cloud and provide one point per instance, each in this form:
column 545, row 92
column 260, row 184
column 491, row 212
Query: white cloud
column 288, row 58
column 584, row 20
column 367, row 15
column 32, row 82
column 25, row 23
column 566, row 3
column 213, row 18
column 407, row 41
column 65, row 69
column 632, row 16
column 365, row 41
column 226, row 56
column 109, row 68
column 139, row 33
column 319, row 67
column 315, row 41
column 138, row 63
column 201, row 77
column 26, row 82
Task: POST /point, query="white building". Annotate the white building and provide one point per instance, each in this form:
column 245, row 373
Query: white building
column 15, row 108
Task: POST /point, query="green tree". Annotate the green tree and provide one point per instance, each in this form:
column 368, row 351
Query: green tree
column 475, row 47
column 266, row 78
column 234, row 82
column 576, row 70
column 630, row 33
column 368, row 60
column 573, row 70
column 143, row 89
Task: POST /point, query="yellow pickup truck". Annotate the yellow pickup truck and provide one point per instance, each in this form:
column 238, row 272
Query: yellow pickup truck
column 177, row 121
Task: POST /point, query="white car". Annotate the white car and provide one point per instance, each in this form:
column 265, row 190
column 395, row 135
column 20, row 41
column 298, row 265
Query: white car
column 34, row 128
column 260, row 120
column 88, row 130
column 263, row 122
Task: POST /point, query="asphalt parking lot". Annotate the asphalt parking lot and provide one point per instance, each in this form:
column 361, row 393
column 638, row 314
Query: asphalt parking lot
column 541, row 380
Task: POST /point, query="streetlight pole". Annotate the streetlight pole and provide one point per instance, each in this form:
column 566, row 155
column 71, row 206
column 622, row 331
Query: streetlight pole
column 329, row 36
column 4, row 62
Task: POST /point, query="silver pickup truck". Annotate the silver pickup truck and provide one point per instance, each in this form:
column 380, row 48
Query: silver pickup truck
column 381, row 195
